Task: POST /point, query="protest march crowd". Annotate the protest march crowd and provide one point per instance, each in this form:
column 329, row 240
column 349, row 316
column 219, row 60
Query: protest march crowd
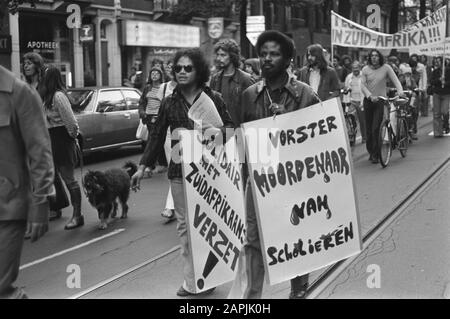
column 223, row 204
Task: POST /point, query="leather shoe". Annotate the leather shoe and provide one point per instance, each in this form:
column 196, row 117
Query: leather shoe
column 184, row 293
column 75, row 222
column 54, row 215
column 300, row 294
column 374, row 160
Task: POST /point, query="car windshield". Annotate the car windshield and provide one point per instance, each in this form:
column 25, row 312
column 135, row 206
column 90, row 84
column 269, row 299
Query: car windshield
column 80, row 99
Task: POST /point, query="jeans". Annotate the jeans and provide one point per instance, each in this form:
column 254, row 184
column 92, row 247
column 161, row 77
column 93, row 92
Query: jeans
column 361, row 118
column 177, row 188
column 440, row 107
column 374, row 116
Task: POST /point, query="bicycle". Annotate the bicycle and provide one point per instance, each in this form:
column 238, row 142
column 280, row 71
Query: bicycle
column 349, row 116
column 391, row 137
column 412, row 112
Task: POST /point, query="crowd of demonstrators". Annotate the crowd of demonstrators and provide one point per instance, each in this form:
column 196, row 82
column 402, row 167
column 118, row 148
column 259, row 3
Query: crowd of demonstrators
column 191, row 72
column 165, row 90
column 27, row 167
column 230, row 80
column 441, row 97
column 353, row 83
column 322, row 78
column 149, row 105
column 63, row 129
column 277, row 95
column 374, row 84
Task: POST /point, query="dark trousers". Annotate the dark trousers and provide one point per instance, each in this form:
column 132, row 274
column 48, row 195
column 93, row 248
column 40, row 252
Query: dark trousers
column 161, row 159
column 374, row 116
column 11, row 242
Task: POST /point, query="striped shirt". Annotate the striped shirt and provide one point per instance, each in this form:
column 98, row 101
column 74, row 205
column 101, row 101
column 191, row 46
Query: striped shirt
column 153, row 101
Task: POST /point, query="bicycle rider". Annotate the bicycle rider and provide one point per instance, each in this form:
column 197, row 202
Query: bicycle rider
column 409, row 83
column 373, row 84
column 353, row 82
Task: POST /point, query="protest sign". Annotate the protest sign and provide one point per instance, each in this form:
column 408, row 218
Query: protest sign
column 215, row 208
column 426, row 36
column 305, row 198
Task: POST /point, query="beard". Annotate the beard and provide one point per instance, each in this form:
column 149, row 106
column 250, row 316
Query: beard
column 272, row 72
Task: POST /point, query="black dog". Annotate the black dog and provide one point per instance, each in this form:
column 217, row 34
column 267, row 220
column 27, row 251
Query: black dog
column 103, row 188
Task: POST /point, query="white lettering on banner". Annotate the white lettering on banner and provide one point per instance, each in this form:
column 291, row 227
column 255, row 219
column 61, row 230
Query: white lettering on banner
column 305, row 203
column 215, row 208
column 157, row 34
column 426, row 35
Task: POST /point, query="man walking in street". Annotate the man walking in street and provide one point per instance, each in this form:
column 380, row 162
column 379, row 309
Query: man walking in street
column 277, row 93
column 373, row 84
column 322, row 78
column 230, row 81
column 191, row 72
column 26, row 175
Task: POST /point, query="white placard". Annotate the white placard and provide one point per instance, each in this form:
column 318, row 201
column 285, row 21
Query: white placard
column 304, row 191
column 215, row 208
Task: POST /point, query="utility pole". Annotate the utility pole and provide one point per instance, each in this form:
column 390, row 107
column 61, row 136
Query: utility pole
column 245, row 45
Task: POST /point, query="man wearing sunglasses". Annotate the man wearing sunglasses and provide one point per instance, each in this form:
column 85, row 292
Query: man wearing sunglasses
column 278, row 92
column 191, row 72
column 230, row 80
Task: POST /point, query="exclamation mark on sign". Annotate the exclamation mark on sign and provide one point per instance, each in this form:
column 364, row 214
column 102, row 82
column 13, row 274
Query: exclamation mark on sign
column 211, row 262
column 431, row 35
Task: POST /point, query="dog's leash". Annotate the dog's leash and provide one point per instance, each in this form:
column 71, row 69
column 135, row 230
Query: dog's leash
column 80, row 159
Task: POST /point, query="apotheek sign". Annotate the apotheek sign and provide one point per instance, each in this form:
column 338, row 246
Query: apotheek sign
column 5, row 43
column 42, row 45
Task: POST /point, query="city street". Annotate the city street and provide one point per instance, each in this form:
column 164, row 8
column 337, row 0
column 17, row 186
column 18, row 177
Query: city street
column 143, row 237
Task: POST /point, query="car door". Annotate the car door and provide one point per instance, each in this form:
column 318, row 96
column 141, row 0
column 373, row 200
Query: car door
column 114, row 116
column 132, row 100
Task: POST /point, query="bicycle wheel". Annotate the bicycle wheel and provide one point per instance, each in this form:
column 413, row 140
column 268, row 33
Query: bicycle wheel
column 350, row 131
column 403, row 136
column 385, row 144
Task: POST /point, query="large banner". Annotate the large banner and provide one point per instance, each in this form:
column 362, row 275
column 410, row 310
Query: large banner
column 215, row 208
column 423, row 37
column 304, row 190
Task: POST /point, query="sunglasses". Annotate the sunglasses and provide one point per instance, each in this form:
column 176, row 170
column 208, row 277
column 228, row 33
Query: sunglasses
column 188, row 68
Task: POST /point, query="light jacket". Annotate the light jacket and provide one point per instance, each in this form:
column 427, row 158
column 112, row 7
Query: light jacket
column 26, row 164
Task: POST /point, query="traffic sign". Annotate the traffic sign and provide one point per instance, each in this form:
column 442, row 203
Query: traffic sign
column 255, row 26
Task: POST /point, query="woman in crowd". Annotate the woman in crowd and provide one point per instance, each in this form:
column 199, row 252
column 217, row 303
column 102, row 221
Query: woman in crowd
column 63, row 128
column 252, row 67
column 149, row 104
column 33, row 69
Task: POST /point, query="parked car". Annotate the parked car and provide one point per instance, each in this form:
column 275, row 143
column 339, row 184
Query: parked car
column 107, row 116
